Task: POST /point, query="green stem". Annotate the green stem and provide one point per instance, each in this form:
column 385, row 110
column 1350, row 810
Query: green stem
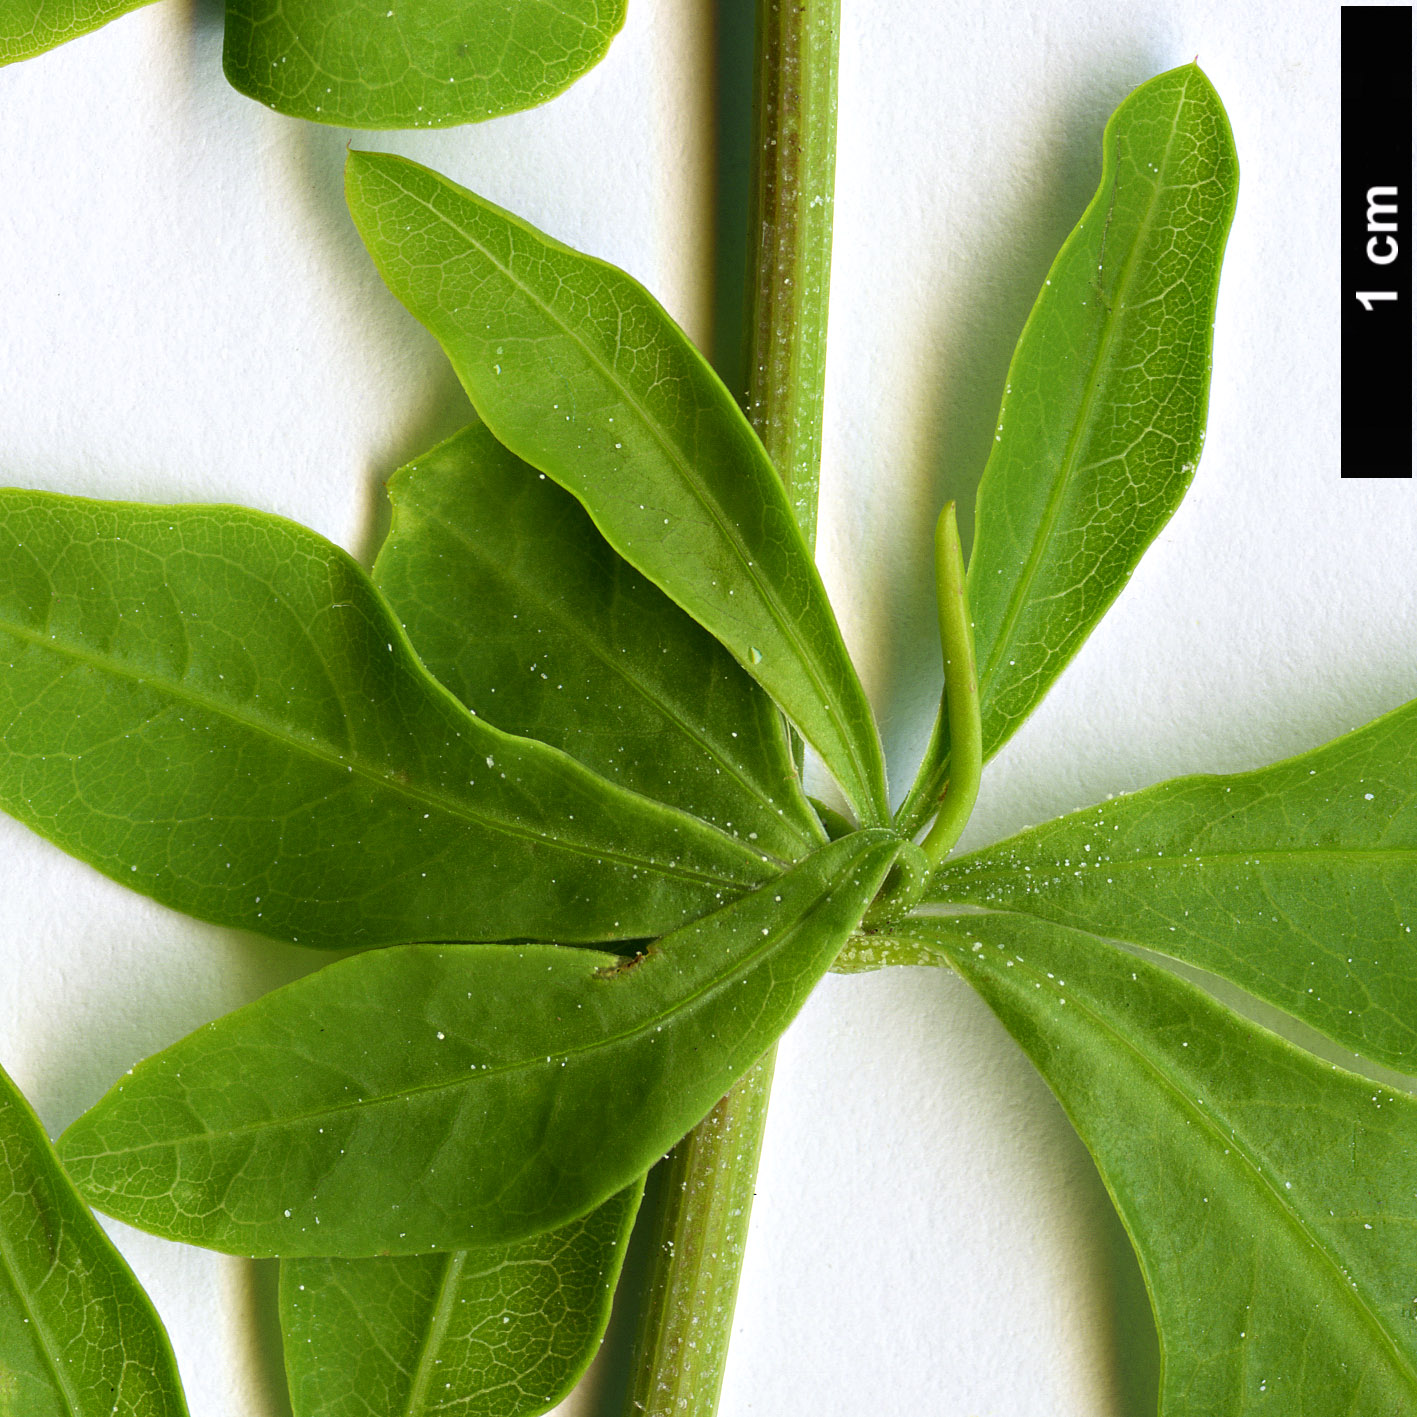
column 705, row 1197
column 961, row 691
column 701, row 1223
column 790, row 234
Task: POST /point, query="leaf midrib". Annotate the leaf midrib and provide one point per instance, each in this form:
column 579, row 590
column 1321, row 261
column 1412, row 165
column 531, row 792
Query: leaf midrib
column 785, row 623
column 41, row 1330
column 437, row 1329
column 1209, row 1124
column 1094, row 379
column 311, row 748
column 645, row 691
column 733, row 968
column 1268, row 855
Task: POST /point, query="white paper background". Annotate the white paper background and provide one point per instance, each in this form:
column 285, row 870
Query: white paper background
column 187, row 314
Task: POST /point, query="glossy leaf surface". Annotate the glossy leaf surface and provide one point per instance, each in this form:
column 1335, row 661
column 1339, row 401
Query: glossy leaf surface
column 516, row 603
column 1298, row 882
column 1269, row 1195
column 78, row 1337
column 412, row 63
column 1103, row 414
column 29, row 27
column 578, row 370
column 433, row 1097
column 216, row 708
column 498, row 1332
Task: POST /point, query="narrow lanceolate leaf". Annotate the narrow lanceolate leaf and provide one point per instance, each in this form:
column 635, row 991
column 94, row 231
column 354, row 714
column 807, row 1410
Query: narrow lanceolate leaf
column 516, row 603
column 1269, row 1195
column 1104, row 407
column 412, row 63
column 29, row 27
column 579, row 371
column 215, row 707
column 435, row 1097
column 78, row 1337
column 505, row 1331
column 1104, row 411
column 1298, row 882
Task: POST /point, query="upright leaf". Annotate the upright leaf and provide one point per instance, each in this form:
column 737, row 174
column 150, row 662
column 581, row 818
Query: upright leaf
column 1104, row 407
column 78, row 1337
column 500, row 1332
column 1298, row 882
column 29, row 27
column 433, row 1097
column 1103, row 416
column 516, row 603
column 215, row 707
column 412, row 63
column 1269, row 1196
column 578, row 370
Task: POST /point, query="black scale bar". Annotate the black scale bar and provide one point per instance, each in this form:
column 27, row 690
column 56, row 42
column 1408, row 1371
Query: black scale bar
column 1377, row 232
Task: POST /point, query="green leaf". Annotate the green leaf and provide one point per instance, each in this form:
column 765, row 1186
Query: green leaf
column 1298, row 882
column 78, row 1337
column 1104, row 407
column 576, row 369
column 515, row 602
column 29, row 27
column 500, row 1332
column 216, row 708
column 1103, row 416
column 435, row 1097
column 1269, row 1195
column 413, row 63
